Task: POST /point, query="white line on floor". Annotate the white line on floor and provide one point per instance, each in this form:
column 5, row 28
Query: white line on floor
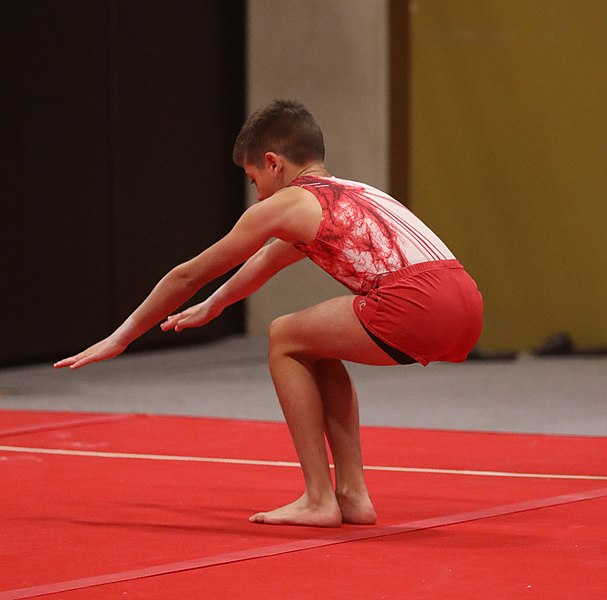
column 279, row 463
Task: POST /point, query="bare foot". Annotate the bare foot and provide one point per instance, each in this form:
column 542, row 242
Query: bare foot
column 357, row 510
column 302, row 512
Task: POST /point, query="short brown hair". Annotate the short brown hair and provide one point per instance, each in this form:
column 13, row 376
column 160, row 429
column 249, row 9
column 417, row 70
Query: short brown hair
column 285, row 127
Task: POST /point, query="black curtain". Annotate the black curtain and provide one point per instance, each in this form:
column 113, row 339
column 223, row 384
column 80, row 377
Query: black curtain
column 118, row 123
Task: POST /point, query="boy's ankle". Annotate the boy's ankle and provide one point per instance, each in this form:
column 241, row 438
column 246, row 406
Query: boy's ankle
column 320, row 498
column 351, row 493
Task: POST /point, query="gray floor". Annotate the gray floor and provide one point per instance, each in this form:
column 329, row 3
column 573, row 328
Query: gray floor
column 230, row 379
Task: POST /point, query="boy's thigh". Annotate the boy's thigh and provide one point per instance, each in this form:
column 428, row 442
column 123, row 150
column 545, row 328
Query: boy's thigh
column 329, row 329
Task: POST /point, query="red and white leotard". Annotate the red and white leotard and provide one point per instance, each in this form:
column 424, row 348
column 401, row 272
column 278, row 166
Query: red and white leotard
column 428, row 308
column 365, row 233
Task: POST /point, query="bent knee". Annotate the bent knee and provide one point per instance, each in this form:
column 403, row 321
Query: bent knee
column 280, row 330
column 285, row 336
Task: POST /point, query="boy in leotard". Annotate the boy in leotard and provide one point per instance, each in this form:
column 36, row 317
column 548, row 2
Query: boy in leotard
column 412, row 302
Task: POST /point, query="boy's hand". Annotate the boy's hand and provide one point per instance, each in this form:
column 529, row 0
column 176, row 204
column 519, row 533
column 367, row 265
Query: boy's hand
column 103, row 350
column 195, row 316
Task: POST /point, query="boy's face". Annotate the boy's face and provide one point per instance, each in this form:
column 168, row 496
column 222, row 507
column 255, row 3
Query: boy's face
column 267, row 179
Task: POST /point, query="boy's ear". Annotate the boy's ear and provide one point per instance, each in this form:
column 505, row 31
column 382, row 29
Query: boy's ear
column 274, row 162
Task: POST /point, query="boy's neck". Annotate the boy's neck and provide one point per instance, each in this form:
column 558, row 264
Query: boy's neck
column 310, row 170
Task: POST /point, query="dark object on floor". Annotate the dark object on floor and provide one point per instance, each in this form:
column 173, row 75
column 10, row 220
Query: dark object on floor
column 478, row 354
column 558, row 344
column 561, row 344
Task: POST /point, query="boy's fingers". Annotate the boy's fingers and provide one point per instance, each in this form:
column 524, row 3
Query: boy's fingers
column 87, row 359
column 77, row 361
column 101, row 351
column 80, row 363
column 182, row 324
column 73, row 361
column 169, row 323
column 66, row 362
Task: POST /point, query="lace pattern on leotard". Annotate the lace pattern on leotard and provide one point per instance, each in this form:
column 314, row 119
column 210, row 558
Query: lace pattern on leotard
column 365, row 233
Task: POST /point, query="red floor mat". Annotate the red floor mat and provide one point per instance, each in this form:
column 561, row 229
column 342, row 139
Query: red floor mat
column 555, row 554
column 73, row 517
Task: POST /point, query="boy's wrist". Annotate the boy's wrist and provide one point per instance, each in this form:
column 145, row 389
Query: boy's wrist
column 216, row 301
column 127, row 332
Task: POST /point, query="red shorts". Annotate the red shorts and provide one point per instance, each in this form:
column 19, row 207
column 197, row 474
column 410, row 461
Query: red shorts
column 431, row 311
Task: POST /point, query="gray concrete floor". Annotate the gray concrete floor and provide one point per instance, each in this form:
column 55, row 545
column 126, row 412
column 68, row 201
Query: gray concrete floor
column 230, row 379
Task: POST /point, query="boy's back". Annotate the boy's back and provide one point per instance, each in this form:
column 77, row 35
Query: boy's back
column 365, row 233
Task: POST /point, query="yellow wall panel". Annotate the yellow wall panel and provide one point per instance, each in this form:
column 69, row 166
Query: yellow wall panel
column 508, row 157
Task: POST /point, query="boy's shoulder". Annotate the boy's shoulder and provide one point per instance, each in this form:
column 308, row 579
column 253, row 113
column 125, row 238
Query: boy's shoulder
column 291, row 195
column 293, row 211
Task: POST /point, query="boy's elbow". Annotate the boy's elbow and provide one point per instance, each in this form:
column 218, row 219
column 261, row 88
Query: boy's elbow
column 184, row 277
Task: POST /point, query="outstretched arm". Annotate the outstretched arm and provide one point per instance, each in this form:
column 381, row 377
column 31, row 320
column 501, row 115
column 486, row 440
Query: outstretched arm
column 265, row 263
column 256, row 226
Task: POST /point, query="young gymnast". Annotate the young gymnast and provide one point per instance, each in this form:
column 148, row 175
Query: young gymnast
column 412, row 302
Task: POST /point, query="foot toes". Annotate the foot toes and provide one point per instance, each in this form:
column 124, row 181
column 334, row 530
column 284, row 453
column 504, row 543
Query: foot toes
column 258, row 518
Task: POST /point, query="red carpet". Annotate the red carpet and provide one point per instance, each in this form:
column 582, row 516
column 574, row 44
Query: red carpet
column 73, row 521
